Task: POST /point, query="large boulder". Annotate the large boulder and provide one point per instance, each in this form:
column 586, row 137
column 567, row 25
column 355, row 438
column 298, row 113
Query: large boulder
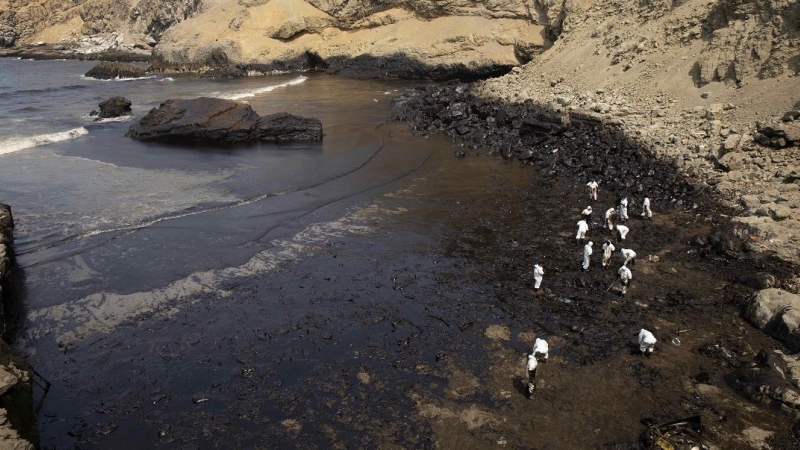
column 110, row 70
column 114, row 107
column 219, row 120
column 777, row 312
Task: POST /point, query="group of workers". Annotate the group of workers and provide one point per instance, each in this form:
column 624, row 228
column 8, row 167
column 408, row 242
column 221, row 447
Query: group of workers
column 646, row 339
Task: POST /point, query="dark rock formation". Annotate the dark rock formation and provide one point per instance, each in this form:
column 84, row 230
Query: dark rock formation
column 113, row 107
column 6, row 242
column 777, row 312
column 17, row 420
column 780, row 133
column 110, row 70
column 218, row 120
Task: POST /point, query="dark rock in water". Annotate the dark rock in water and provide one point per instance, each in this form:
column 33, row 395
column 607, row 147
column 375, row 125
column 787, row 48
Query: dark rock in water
column 218, row 120
column 113, row 107
column 110, row 70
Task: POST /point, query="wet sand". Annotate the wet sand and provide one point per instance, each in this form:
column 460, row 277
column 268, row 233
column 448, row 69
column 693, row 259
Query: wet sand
column 409, row 327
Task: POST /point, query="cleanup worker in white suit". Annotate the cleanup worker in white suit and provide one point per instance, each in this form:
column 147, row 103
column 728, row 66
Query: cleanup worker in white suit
column 538, row 272
column 587, row 215
column 587, row 252
column 609, row 216
column 583, row 227
column 629, row 255
column 593, row 189
column 646, row 212
column 625, row 277
column 541, row 350
column 647, row 342
column 623, row 209
column 530, row 373
column 623, row 231
column 608, row 249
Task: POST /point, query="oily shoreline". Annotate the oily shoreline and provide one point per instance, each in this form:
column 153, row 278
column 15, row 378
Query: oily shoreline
column 581, row 146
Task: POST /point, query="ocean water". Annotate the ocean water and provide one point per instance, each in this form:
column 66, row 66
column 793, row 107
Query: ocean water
column 76, row 184
column 166, row 290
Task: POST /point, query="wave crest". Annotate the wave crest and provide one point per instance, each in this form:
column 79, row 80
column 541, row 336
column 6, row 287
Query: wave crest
column 253, row 92
column 16, row 144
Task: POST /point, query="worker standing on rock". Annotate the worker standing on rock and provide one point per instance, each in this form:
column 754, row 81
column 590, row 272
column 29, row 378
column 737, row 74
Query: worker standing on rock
column 610, row 218
column 629, row 255
column 625, row 277
column 593, row 189
column 608, row 249
column 587, row 215
column 583, row 227
column 646, row 212
column 530, row 373
column 538, row 272
column 623, row 209
column 587, row 252
column 647, row 342
column 623, row 231
column 541, row 350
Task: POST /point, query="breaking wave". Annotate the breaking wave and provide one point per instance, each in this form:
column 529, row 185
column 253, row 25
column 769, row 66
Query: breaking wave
column 16, row 144
column 253, row 92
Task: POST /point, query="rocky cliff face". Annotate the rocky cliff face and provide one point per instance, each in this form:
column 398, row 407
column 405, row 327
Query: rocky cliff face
column 91, row 25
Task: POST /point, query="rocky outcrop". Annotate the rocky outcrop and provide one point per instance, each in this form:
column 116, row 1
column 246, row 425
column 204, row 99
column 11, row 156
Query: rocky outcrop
column 768, row 380
column 112, row 25
column 6, row 247
column 17, row 420
column 777, row 312
column 110, row 70
column 218, row 120
column 113, row 107
column 780, row 133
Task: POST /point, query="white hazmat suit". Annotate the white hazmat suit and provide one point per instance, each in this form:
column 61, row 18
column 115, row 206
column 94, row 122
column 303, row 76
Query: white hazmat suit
column 623, row 231
column 625, row 277
column 623, row 209
column 608, row 249
column 538, row 271
column 592, row 189
column 647, row 342
column 646, row 212
column 530, row 373
column 610, row 218
column 629, row 255
column 587, row 252
column 541, row 350
column 583, row 227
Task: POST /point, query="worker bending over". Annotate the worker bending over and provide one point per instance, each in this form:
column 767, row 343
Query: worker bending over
column 583, row 227
column 610, row 218
column 647, row 342
column 629, row 255
column 623, row 231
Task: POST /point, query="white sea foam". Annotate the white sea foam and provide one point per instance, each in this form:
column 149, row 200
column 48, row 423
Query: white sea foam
column 151, row 77
column 167, row 79
column 114, row 119
column 102, row 312
column 262, row 90
column 18, row 143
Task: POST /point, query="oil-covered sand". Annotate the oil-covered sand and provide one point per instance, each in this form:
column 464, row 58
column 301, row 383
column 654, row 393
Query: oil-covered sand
column 409, row 328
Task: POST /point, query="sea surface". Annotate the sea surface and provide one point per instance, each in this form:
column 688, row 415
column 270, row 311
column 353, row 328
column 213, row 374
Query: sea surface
column 111, row 231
